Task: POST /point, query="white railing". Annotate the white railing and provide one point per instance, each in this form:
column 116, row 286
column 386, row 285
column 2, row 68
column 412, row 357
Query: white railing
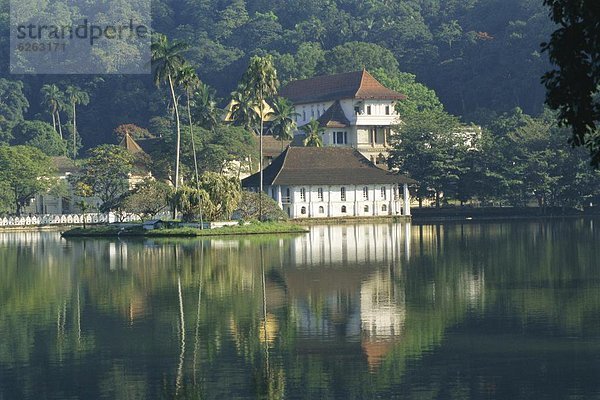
column 66, row 219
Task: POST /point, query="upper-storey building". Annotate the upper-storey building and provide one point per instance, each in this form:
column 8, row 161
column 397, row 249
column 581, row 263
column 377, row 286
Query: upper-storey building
column 354, row 109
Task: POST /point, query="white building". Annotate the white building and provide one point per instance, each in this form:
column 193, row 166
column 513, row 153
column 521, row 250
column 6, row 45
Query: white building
column 330, row 182
column 354, row 109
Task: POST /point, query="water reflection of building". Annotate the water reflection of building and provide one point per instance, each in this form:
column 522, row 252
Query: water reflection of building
column 372, row 244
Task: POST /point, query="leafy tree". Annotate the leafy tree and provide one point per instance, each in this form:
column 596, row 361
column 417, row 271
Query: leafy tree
column 147, row 199
column 75, row 96
column 40, row 135
column 354, row 56
column 283, row 123
column 314, row 134
column 132, row 130
column 428, row 149
column 107, row 172
column 572, row 87
column 167, row 61
column 204, row 107
column 13, row 105
column 248, row 208
column 217, row 198
column 25, row 171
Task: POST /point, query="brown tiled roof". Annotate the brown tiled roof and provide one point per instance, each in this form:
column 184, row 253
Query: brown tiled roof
column 334, row 117
column 350, row 85
column 323, row 166
column 272, row 146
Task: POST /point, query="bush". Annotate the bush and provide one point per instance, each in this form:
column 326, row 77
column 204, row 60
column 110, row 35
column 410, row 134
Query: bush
column 249, row 208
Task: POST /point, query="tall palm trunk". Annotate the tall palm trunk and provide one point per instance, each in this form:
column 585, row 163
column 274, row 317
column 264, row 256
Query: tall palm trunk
column 54, row 121
column 59, row 124
column 74, row 132
column 260, row 161
column 189, row 110
column 177, row 122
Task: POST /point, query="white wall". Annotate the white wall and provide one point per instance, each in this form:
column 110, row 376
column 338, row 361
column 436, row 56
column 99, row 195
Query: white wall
column 330, row 205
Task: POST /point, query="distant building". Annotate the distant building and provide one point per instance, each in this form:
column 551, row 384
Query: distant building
column 354, row 109
column 313, row 182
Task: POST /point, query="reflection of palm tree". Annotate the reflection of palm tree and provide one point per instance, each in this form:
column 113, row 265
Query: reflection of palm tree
column 313, row 131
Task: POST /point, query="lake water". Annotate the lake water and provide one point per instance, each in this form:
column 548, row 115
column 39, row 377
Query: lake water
column 455, row 311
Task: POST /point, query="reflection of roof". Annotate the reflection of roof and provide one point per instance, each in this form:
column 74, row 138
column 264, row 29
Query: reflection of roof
column 323, row 166
column 334, row 117
column 350, row 85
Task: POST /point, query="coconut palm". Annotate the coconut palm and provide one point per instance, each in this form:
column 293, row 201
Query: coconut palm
column 189, row 81
column 314, row 134
column 166, row 62
column 53, row 99
column 205, row 110
column 244, row 108
column 283, row 123
column 76, row 96
column 260, row 82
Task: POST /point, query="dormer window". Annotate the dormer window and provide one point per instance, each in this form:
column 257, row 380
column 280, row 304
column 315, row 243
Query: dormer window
column 368, row 110
column 387, row 110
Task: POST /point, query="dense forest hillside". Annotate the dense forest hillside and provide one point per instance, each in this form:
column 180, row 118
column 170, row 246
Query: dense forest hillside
column 478, row 55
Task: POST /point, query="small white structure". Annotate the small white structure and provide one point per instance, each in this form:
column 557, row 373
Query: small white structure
column 330, row 182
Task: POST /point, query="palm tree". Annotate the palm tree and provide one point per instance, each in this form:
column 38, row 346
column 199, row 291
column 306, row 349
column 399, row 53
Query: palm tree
column 167, row 60
column 53, row 99
column 260, row 81
column 205, row 110
column 244, row 109
column 189, row 80
column 76, row 96
column 314, row 132
column 283, row 124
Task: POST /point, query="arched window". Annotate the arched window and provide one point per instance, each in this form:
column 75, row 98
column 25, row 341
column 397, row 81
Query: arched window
column 321, row 210
column 303, row 210
column 302, row 194
column 343, row 193
column 343, row 209
column 384, row 208
column 366, row 209
column 366, row 193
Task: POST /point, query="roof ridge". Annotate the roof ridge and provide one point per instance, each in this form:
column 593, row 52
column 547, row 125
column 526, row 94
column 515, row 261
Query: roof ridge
column 284, row 154
column 362, row 80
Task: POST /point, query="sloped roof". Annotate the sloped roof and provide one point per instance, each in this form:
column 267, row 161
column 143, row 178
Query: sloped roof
column 130, row 144
column 323, row 166
column 350, row 85
column 334, row 117
column 65, row 165
column 272, row 146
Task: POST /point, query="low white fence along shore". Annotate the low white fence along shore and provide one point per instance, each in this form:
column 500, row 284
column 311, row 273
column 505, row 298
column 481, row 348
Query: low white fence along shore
column 66, row 219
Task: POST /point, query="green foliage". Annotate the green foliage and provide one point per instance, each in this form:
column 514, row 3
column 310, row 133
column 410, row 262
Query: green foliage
column 249, row 208
column 314, row 133
column 13, row 105
column 573, row 84
column 40, row 135
column 25, row 171
column 354, row 56
column 147, row 199
column 107, row 172
column 283, row 123
column 132, row 130
column 428, row 149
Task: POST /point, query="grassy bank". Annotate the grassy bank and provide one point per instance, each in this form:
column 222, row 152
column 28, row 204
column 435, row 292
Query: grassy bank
column 139, row 231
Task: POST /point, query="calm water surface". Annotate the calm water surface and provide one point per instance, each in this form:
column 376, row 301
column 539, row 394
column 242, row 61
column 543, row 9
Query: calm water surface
column 475, row 311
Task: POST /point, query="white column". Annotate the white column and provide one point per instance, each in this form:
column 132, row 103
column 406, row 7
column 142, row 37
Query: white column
column 279, row 199
column 406, row 200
